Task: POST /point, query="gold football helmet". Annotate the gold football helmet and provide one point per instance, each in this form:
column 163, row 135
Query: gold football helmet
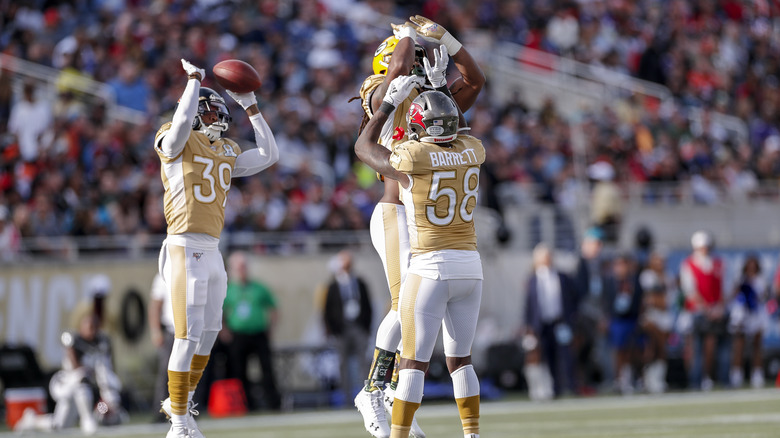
column 383, row 54
column 385, row 51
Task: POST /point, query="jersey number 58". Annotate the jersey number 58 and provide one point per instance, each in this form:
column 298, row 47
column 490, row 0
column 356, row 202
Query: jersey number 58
column 453, row 204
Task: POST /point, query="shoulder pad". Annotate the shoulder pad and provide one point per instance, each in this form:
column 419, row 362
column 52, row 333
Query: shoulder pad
column 369, row 85
column 165, row 127
column 406, row 157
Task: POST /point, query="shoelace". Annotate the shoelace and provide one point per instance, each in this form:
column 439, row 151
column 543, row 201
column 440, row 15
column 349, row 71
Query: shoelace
column 376, row 405
column 192, row 409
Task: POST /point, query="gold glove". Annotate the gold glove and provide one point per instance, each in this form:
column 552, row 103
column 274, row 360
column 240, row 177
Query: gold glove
column 431, row 31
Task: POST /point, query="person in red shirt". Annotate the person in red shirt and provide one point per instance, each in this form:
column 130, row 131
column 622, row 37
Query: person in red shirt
column 701, row 280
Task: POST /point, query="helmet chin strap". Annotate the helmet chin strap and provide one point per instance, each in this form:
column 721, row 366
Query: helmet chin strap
column 213, row 131
column 438, row 140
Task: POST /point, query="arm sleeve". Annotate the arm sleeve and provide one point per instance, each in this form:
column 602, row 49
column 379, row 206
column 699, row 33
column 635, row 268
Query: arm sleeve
column 172, row 142
column 253, row 161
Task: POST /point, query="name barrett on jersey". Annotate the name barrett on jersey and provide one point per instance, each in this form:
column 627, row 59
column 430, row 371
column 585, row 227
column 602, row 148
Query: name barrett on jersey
column 444, row 158
column 409, row 157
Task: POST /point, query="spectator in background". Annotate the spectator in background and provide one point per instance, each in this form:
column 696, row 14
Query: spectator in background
column 656, row 320
column 347, row 318
column 130, row 87
column 606, row 204
column 588, row 338
column 622, row 304
column 748, row 319
column 563, row 30
column 10, row 238
column 160, row 315
column 704, row 319
column 250, row 315
column 29, row 121
column 550, row 308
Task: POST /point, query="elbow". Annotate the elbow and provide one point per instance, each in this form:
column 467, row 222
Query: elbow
column 478, row 82
column 360, row 150
column 399, row 69
column 274, row 155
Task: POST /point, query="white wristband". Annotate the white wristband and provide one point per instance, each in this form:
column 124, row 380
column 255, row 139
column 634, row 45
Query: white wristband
column 406, row 32
column 452, row 44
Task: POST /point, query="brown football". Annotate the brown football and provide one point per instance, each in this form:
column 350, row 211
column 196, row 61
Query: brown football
column 237, row 76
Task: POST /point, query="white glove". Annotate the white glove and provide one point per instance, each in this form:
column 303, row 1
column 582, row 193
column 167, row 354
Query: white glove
column 431, row 31
column 244, row 99
column 437, row 75
column 405, row 30
column 400, row 87
column 192, row 70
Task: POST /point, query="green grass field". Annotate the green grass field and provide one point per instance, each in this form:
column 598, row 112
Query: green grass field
column 737, row 414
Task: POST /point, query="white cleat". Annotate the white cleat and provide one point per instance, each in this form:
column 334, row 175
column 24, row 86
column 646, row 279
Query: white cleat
column 388, row 399
column 369, row 404
column 707, row 384
column 178, row 432
column 192, row 426
column 27, row 421
column 757, row 378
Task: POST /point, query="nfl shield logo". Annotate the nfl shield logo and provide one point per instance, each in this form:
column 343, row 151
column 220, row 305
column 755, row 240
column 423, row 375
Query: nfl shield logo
column 197, row 255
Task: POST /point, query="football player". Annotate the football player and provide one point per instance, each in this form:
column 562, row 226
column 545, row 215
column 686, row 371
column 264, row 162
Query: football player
column 401, row 55
column 438, row 170
column 198, row 164
column 86, row 366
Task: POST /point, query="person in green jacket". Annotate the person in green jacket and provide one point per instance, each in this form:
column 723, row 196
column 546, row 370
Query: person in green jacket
column 250, row 315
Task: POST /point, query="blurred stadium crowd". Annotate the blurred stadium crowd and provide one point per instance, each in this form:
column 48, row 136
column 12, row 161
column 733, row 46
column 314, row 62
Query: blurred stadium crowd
column 68, row 169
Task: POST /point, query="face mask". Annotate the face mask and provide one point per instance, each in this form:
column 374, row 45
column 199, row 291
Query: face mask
column 213, row 131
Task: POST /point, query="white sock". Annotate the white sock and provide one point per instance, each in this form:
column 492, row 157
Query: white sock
column 410, row 386
column 465, row 382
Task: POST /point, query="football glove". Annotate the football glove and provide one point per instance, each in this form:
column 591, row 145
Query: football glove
column 405, row 30
column 437, row 75
column 400, row 87
column 192, row 70
column 244, row 99
column 431, row 31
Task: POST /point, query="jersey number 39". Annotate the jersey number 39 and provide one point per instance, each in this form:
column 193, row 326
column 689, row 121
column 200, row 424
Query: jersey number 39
column 224, row 175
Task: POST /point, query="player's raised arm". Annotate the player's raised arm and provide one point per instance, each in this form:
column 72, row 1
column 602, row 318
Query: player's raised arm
column 401, row 61
column 367, row 149
column 437, row 76
column 266, row 154
column 467, row 87
column 172, row 143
